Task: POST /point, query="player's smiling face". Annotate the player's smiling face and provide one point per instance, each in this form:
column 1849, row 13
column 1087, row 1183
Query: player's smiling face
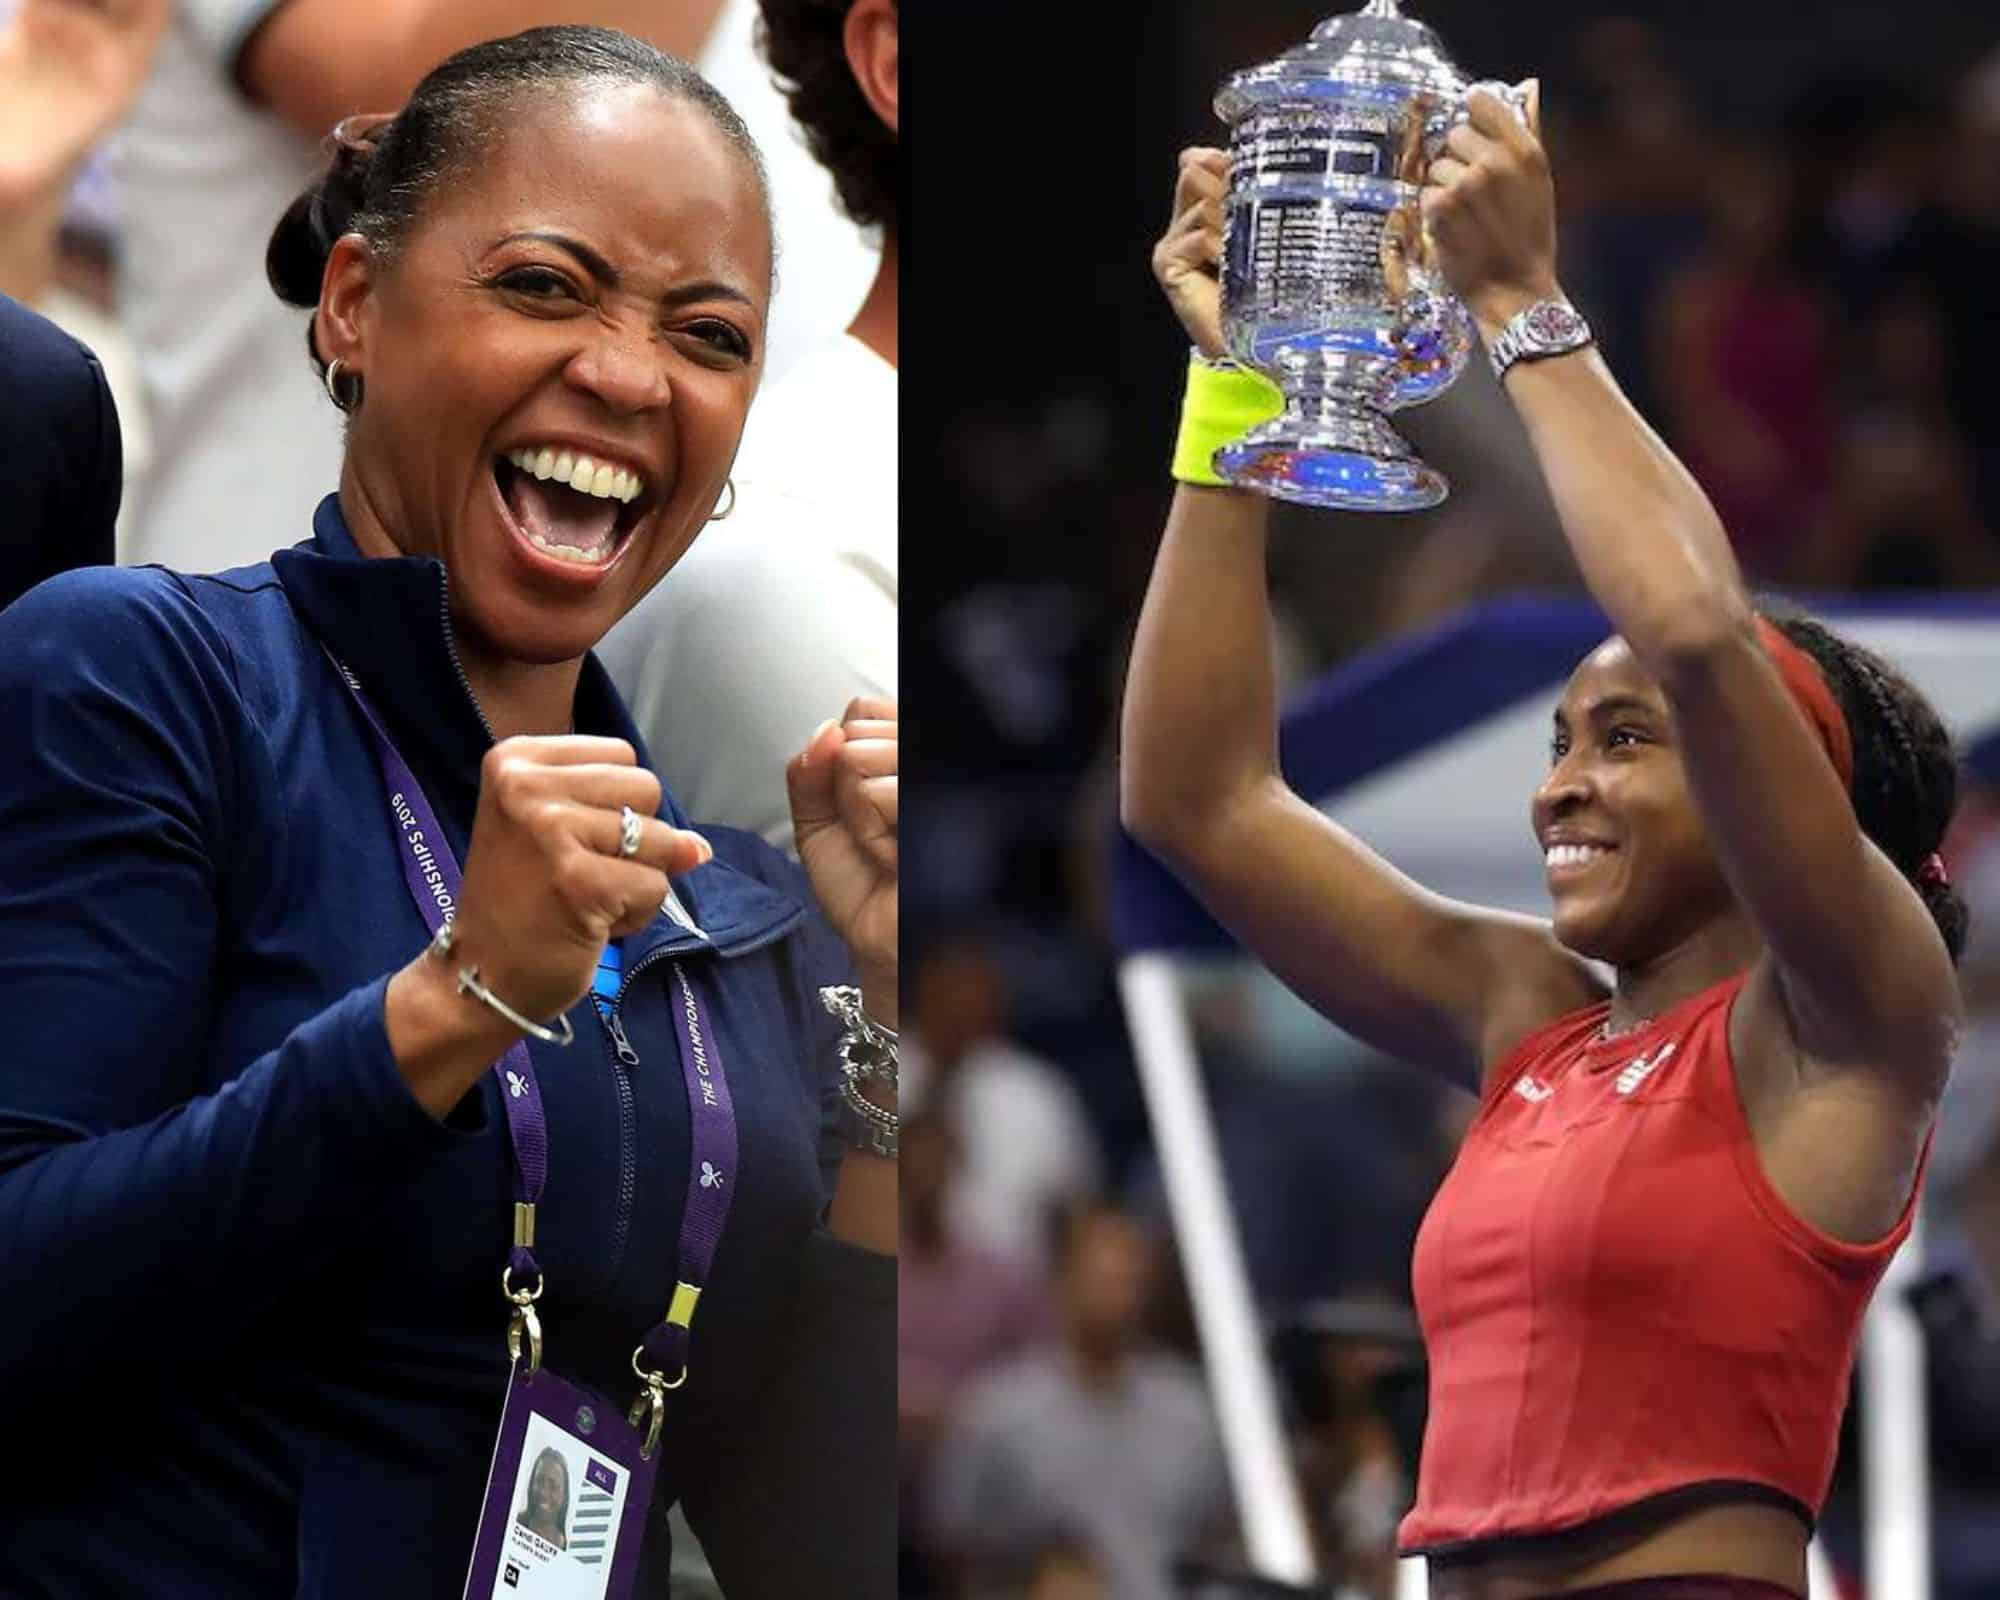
column 1629, row 866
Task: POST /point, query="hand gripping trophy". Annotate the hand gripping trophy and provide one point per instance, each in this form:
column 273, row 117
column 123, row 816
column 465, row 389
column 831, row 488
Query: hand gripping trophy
column 1328, row 282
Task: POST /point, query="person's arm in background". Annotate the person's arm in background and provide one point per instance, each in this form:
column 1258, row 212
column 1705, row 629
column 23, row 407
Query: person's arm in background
column 314, row 62
column 61, row 470
column 69, row 69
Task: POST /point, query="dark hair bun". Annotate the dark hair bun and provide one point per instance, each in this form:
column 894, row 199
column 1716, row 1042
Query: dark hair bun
column 295, row 261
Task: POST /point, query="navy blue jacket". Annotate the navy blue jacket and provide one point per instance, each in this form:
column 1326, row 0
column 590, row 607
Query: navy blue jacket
column 61, row 454
column 253, row 1338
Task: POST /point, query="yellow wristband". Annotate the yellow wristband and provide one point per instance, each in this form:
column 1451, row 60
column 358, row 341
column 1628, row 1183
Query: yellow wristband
column 1221, row 405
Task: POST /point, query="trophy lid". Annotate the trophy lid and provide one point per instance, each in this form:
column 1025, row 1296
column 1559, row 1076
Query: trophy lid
column 1375, row 48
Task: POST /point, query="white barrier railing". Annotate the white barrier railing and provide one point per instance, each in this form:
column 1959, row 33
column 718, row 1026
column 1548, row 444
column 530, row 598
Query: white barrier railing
column 1268, row 1505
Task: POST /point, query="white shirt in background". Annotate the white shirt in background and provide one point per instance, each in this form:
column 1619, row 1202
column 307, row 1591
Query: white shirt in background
column 1028, row 1152
column 245, row 441
column 783, row 611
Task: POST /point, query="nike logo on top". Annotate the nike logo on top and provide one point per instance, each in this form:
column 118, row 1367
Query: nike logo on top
column 1637, row 1071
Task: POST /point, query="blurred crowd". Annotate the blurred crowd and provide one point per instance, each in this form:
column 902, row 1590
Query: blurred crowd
column 1797, row 294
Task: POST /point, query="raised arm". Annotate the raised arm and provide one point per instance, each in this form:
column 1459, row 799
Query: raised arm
column 1860, row 965
column 1427, row 979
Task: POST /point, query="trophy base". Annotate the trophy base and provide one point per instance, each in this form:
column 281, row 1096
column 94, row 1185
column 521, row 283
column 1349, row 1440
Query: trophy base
column 1356, row 465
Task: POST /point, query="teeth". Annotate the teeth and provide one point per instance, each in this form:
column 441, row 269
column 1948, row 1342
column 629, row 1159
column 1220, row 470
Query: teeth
column 1573, row 855
column 569, row 552
column 581, row 473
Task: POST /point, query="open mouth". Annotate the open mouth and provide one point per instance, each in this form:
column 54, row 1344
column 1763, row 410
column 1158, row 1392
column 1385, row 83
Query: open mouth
column 570, row 507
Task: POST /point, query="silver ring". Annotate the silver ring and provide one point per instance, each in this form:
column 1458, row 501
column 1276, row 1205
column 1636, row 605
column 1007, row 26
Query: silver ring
column 628, row 832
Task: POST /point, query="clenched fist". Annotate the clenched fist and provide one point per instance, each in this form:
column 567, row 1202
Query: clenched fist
column 1489, row 207
column 844, row 813
column 545, row 890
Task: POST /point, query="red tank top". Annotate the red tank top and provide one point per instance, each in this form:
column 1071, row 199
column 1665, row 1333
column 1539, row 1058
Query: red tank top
column 1616, row 1303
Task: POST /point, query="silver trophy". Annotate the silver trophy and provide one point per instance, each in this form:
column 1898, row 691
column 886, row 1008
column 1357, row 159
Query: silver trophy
column 1329, row 286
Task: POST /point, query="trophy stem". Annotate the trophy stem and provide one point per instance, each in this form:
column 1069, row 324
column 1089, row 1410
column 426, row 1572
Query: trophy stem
column 1337, row 452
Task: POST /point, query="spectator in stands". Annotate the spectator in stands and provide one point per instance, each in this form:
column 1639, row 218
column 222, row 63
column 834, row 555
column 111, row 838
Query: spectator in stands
column 68, row 70
column 228, row 128
column 960, row 1311
column 1958, row 1297
column 1742, row 349
column 1101, row 1440
column 1354, row 1370
column 60, row 464
column 1029, row 1149
column 723, row 692
column 1902, row 514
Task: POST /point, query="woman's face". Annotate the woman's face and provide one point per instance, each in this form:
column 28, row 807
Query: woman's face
column 545, row 1493
column 1629, row 866
column 596, row 287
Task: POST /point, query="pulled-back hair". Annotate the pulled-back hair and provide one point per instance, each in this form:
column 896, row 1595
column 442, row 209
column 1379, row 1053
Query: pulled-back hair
column 383, row 170
column 806, row 45
column 1905, row 769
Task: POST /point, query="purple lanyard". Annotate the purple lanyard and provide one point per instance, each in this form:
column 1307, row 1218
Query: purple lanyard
column 431, row 871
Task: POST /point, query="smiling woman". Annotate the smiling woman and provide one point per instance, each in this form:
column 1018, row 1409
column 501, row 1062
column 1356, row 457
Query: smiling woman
column 512, row 242
column 448, row 1148
column 1700, row 1175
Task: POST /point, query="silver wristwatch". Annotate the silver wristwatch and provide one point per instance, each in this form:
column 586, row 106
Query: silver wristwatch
column 874, row 1130
column 1547, row 328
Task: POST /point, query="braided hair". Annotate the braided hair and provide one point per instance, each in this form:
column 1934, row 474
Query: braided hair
column 805, row 42
column 1905, row 768
column 383, row 170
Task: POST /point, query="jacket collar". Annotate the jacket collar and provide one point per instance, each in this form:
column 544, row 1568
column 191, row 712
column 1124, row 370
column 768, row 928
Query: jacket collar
column 389, row 621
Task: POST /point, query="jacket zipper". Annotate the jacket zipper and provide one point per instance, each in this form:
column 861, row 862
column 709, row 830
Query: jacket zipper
column 623, row 1058
column 619, row 1042
column 451, row 649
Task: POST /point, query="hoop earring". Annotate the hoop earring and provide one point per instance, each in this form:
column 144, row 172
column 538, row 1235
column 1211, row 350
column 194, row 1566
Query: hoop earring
column 346, row 400
column 722, row 515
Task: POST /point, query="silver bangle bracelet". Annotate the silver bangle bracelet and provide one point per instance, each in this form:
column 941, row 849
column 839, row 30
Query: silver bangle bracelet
column 468, row 983
column 867, row 1054
column 868, row 1051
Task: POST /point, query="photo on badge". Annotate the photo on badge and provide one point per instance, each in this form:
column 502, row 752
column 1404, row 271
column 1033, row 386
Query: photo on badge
column 563, row 1518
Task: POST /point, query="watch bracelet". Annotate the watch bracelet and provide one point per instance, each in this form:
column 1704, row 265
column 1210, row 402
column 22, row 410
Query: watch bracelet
column 866, row 1109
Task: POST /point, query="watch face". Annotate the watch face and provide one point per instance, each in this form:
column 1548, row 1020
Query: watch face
column 1550, row 323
